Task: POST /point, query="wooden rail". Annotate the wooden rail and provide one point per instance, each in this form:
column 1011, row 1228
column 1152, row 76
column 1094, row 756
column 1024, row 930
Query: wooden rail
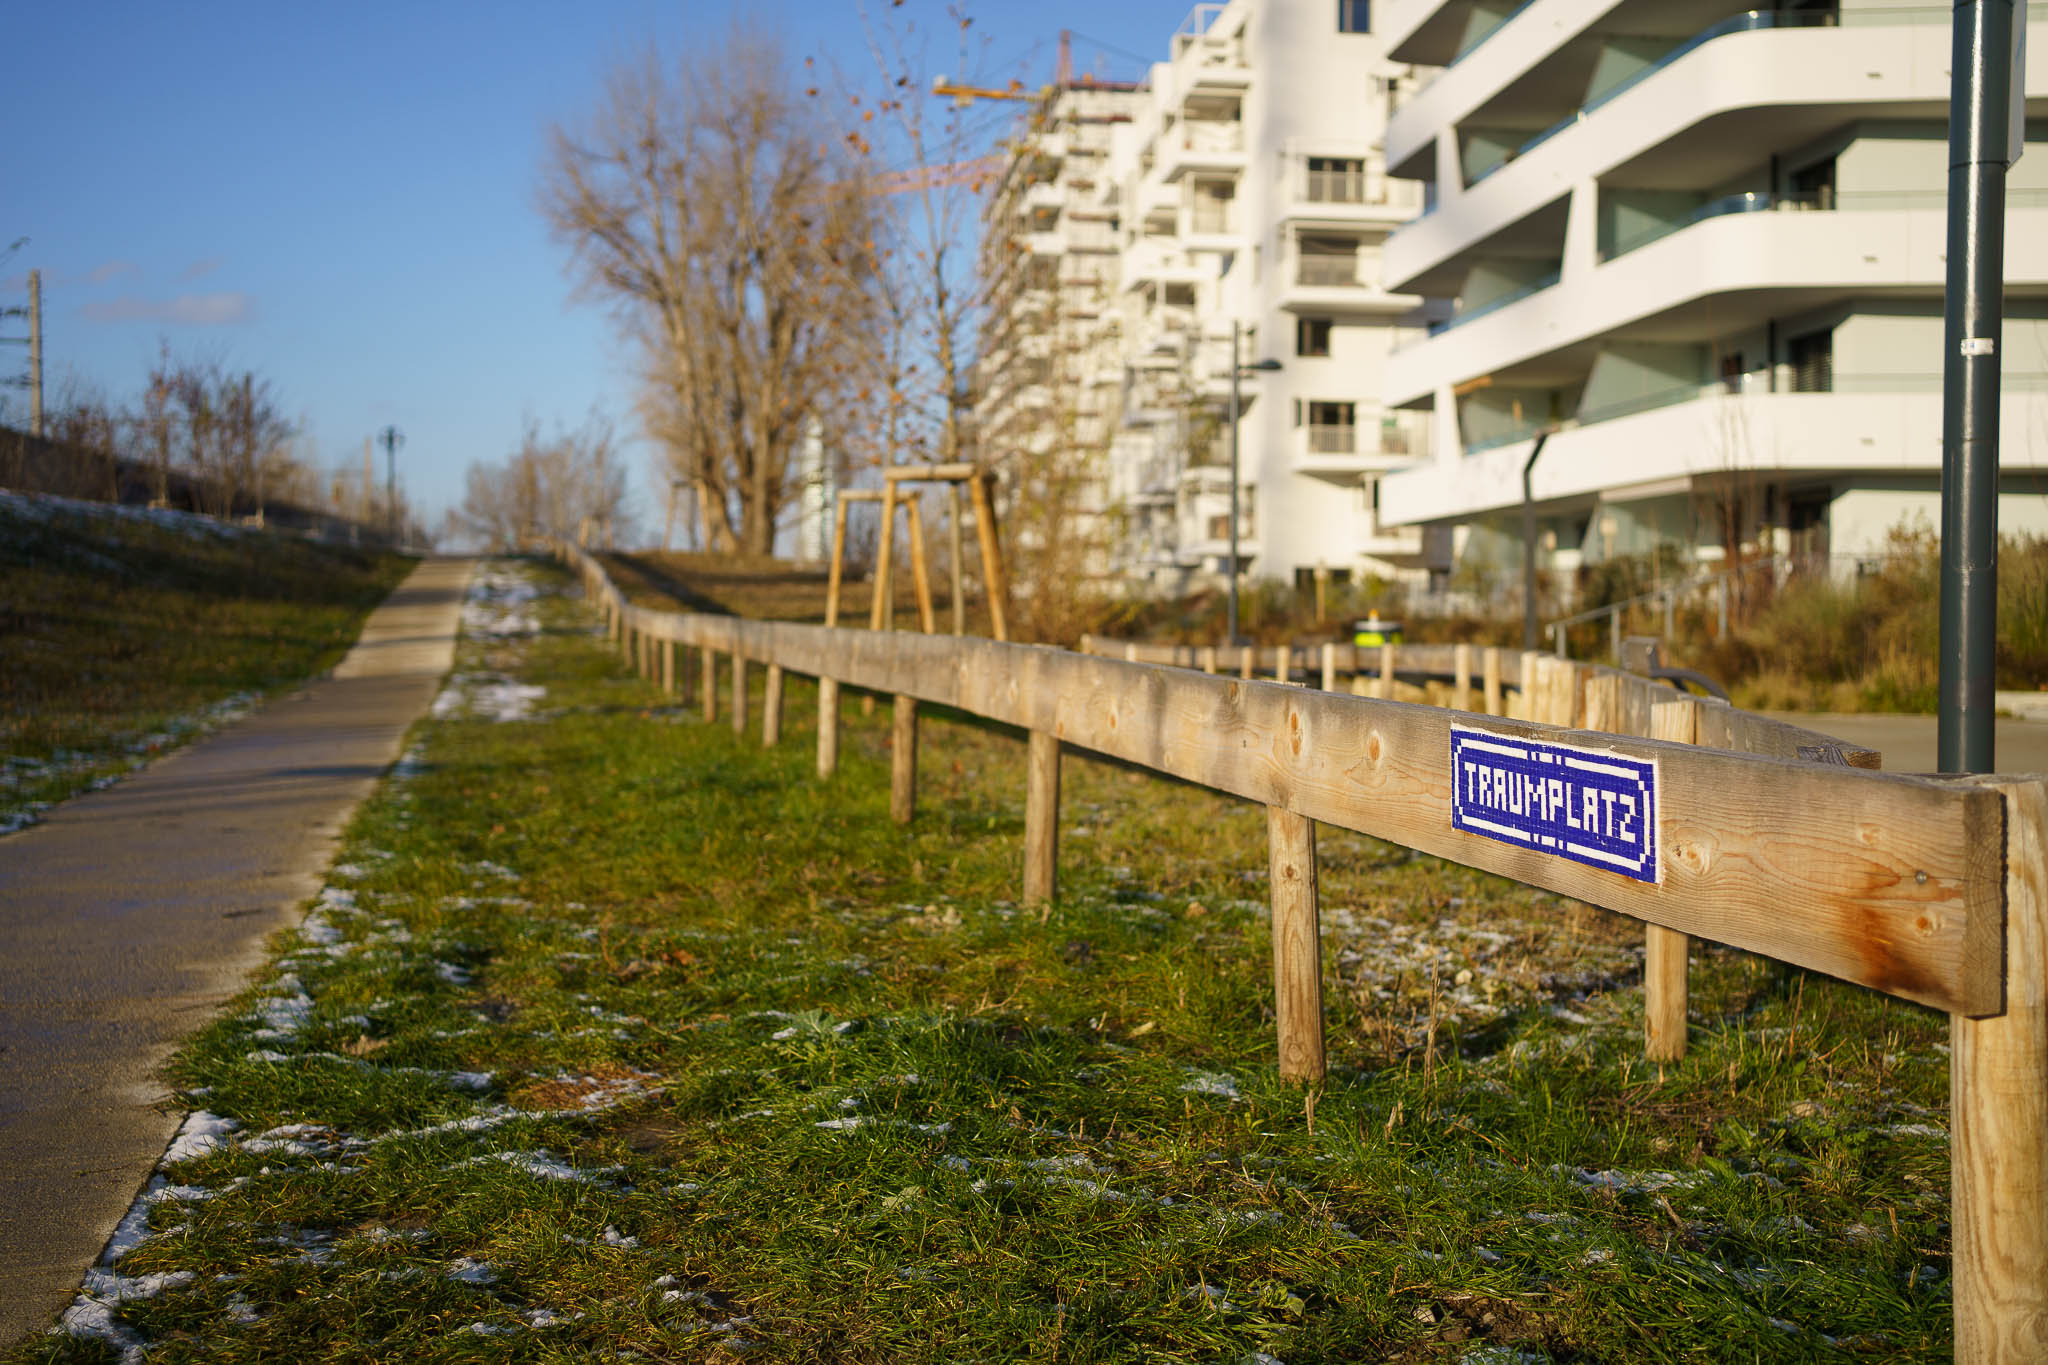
column 1930, row 889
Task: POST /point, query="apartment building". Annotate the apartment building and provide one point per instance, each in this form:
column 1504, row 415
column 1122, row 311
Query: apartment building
column 1044, row 390
column 1699, row 249
column 1242, row 186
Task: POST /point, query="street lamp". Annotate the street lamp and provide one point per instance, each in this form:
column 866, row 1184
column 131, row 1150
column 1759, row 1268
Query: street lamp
column 1237, row 371
column 391, row 438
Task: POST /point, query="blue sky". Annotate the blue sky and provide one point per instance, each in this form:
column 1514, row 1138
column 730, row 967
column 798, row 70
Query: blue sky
column 341, row 198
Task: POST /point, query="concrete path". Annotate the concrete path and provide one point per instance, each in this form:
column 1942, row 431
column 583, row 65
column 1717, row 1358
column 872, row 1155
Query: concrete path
column 132, row 914
column 1908, row 742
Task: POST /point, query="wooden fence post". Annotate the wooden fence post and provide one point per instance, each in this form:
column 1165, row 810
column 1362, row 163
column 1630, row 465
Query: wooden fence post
column 1329, row 667
column 828, row 726
column 920, row 571
column 1208, row 658
column 771, row 707
column 739, row 693
column 668, row 667
column 1042, row 818
column 1998, row 1116
column 903, row 761
column 1130, row 651
column 1386, row 690
column 1297, row 944
column 1461, row 671
column 710, row 679
column 1665, row 991
column 1247, row 661
column 1489, row 664
column 1283, row 662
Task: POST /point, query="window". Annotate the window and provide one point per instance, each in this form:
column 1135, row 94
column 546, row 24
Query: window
column 1332, row 428
column 1312, row 337
column 1812, row 358
column 1213, row 199
column 1354, row 16
column 1329, row 260
column 1336, row 180
column 1814, row 186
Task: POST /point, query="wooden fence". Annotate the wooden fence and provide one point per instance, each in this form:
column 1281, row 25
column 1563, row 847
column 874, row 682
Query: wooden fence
column 1770, row 838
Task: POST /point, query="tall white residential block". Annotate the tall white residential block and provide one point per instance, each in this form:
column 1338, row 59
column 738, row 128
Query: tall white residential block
column 1701, row 245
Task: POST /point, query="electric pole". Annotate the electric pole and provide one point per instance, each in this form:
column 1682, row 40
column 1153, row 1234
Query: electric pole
column 391, row 438
column 35, row 353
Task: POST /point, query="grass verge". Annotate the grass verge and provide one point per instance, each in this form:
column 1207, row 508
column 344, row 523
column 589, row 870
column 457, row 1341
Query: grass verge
column 617, row 1036
column 125, row 632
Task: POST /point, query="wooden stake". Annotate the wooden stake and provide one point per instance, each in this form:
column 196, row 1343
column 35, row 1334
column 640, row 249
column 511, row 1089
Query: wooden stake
column 828, row 726
column 1998, row 1116
column 1386, row 671
column 903, row 761
column 1247, row 662
column 838, row 570
column 771, row 707
column 1042, row 818
column 882, row 610
column 1665, row 989
column 739, row 694
column 993, row 581
column 1461, row 671
column 710, row 686
column 1297, row 944
column 1283, row 662
column 668, row 666
column 1329, row 667
column 1208, row 658
column 959, row 568
column 1490, row 672
column 920, row 571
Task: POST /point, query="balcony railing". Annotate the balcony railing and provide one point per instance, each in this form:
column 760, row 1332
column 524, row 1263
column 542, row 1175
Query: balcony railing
column 1333, row 440
column 1824, row 201
column 1747, row 22
column 1211, row 136
column 1500, row 301
column 1323, row 271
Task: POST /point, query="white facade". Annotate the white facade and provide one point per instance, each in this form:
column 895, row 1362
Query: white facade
column 1702, row 246
column 1245, row 185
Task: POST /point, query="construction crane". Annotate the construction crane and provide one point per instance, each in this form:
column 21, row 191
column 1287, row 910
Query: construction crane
column 964, row 95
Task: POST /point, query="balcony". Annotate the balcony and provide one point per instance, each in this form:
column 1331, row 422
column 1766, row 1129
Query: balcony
column 1377, row 441
column 1348, row 190
column 1333, row 284
column 1207, row 61
column 1715, row 104
column 1889, row 423
column 1201, row 146
column 1046, row 196
column 1751, row 267
column 1152, row 261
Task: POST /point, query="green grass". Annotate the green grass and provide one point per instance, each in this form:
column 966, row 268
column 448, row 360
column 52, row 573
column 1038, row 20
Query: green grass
column 123, row 635
column 690, row 967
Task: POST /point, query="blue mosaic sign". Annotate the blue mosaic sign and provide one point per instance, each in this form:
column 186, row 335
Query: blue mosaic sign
column 1590, row 806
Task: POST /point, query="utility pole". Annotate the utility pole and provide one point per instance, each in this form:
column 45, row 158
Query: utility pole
column 1986, row 115
column 392, row 438
column 35, row 353
column 369, row 479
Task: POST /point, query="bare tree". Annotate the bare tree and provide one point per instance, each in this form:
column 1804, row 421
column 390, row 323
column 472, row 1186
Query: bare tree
column 721, row 216
column 549, row 488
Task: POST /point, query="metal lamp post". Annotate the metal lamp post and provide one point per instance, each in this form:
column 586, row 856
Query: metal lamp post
column 391, row 438
column 1237, row 371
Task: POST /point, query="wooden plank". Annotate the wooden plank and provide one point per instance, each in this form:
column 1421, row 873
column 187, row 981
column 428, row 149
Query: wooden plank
column 838, row 569
column 1724, row 727
column 828, row 726
column 1041, row 818
column 992, row 578
column 1297, row 944
column 771, row 707
column 1666, row 952
column 1998, row 1144
column 739, row 693
column 882, row 610
column 1876, row 865
column 931, row 473
column 903, row 761
column 920, row 571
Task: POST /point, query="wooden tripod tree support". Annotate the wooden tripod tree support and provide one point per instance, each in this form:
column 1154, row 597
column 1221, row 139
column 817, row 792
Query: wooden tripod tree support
column 881, row 609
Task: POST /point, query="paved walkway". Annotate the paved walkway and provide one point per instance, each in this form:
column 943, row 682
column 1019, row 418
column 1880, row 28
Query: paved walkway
column 1908, row 742
column 132, row 914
